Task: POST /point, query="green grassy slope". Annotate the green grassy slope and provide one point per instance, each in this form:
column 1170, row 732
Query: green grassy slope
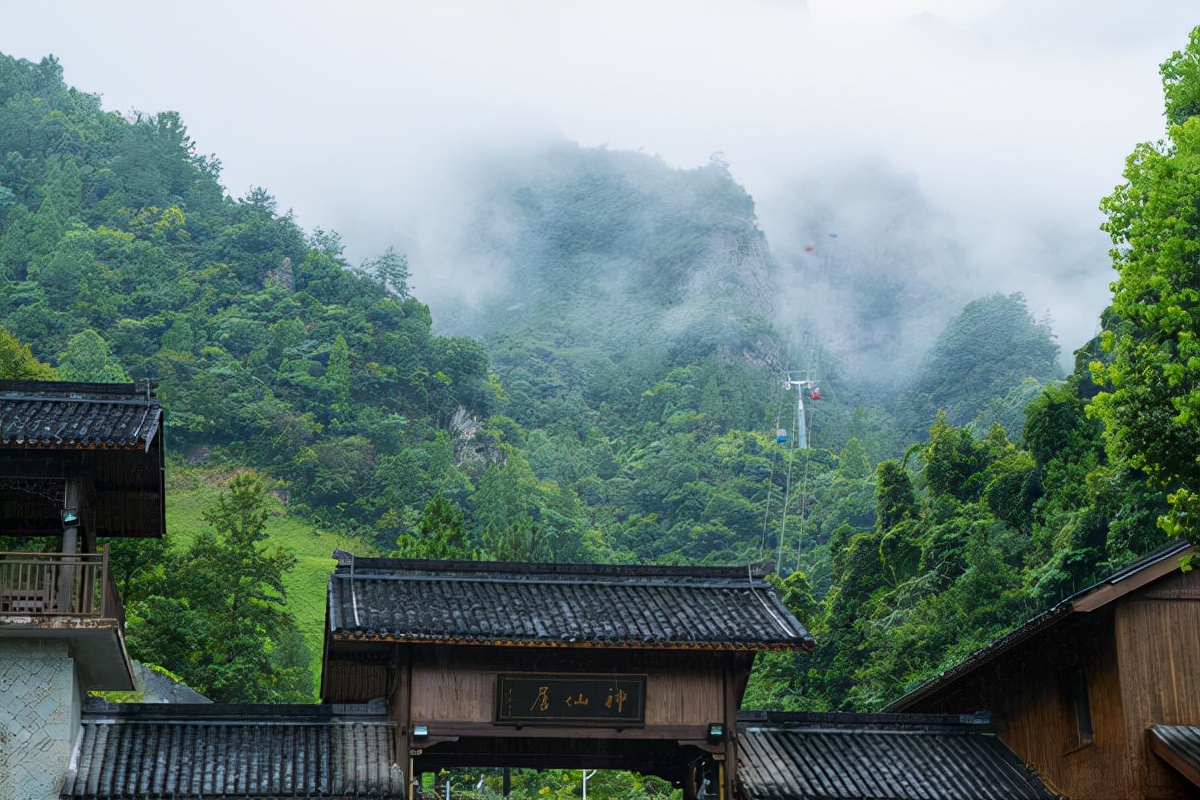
column 190, row 490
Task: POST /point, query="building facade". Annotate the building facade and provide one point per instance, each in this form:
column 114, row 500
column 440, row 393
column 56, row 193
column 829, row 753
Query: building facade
column 1100, row 694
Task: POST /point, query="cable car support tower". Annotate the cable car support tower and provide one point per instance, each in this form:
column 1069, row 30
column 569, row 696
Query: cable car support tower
column 803, row 386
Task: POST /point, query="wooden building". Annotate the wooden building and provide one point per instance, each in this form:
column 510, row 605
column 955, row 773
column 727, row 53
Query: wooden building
column 93, row 448
column 475, row 664
column 544, row 665
column 77, row 461
column 1100, row 694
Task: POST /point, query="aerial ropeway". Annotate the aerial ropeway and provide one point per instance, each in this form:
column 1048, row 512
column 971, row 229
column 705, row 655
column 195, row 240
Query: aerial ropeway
column 805, row 388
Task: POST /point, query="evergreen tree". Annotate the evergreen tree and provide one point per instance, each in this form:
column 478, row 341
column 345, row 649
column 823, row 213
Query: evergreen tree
column 440, row 534
column 337, row 376
column 217, row 615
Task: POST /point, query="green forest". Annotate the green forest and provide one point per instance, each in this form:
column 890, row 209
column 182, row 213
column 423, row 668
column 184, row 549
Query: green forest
column 618, row 400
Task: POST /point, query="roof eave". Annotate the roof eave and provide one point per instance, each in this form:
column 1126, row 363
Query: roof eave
column 349, row 636
column 1093, row 598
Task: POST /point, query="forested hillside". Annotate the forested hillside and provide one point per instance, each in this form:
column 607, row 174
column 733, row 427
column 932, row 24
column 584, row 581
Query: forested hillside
column 615, row 398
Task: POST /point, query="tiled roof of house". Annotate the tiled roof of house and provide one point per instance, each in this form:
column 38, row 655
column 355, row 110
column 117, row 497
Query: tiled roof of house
column 1162, row 562
column 878, row 757
column 73, row 416
column 1179, row 746
column 214, row 752
column 466, row 602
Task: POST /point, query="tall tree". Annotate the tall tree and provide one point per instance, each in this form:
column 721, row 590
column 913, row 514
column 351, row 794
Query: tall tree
column 391, row 270
column 337, row 376
column 440, row 534
column 87, row 359
column 505, row 510
column 217, row 616
column 1152, row 411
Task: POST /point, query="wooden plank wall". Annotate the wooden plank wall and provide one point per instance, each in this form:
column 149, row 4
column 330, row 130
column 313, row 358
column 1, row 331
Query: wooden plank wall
column 691, row 696
column 686, row 690
column 452, row 695
column 1025, row 691
column 354, row 682
column 1158, row 639
column 1038, row 719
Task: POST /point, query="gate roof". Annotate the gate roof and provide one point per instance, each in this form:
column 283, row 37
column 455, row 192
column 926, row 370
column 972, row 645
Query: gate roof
column 558, row 605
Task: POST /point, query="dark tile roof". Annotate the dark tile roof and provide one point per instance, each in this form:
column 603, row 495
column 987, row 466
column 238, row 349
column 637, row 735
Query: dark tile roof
column 59, row 415
column 1179, row 746
column 220, row 752
column 465, row 602
column 879, row 757
column 1102, row 591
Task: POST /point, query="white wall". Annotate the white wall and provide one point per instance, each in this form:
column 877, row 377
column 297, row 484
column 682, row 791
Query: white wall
column 39, row 717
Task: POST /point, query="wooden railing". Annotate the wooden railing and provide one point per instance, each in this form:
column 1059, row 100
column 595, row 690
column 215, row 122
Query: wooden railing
column 58, row 584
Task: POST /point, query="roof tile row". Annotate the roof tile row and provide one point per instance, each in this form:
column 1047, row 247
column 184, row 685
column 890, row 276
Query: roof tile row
column 196, row 752
column 831, row 757
column 76, row 416
column 473, row 602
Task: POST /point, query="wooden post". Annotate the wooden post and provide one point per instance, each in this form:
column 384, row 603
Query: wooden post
column 70, row 538
column 729, row 767
column 401, row 712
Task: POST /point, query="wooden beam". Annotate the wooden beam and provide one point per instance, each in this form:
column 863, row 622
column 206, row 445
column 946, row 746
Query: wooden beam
column 1110, row 592
column 72, row 499
column 487, row 730
column 401, row 712
column 1184, row 767
column 648, row 757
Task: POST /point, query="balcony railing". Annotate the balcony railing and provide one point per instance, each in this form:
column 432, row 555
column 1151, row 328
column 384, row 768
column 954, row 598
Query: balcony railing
column 58, row 585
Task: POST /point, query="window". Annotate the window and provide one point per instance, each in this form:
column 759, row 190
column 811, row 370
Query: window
column 1079, row 705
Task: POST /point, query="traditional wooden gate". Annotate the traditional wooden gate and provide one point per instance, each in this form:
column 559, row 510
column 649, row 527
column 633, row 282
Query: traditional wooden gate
column 489, row 664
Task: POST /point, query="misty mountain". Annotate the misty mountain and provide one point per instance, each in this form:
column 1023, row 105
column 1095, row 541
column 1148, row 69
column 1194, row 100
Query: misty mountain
column 619, row 250
column 985, row 366
column 615, row 268
column 869, row 267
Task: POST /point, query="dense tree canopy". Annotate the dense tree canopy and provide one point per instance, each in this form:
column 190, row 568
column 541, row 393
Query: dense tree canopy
column 1152, row 409
column 18, row 363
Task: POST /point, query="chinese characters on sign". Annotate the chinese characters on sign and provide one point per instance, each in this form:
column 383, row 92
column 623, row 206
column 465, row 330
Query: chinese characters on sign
column 571, row 699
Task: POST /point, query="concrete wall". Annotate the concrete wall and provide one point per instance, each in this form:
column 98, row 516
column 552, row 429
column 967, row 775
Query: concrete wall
column 39, row 717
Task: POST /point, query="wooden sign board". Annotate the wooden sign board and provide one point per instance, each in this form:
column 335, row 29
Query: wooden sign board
column 571, row 699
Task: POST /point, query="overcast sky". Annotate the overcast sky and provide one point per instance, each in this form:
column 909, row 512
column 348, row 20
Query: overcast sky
column 1015, row 117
